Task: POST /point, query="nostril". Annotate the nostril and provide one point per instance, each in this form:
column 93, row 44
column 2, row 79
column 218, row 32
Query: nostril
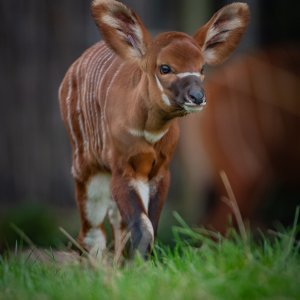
column 196, row 95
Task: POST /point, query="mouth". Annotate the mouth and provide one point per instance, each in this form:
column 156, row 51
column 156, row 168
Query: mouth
column 191, row 106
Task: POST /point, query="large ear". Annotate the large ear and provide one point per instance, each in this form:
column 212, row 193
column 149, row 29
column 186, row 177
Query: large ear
column 222, row 33
column 121, row 28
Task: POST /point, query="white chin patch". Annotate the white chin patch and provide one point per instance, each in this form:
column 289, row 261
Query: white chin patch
column 193, row 108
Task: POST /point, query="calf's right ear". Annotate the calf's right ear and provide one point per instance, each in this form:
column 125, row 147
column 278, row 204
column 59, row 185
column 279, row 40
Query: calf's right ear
column 121, row 28
column 222, row 33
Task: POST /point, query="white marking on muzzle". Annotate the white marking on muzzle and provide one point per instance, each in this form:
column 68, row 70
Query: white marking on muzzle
column 185, row 74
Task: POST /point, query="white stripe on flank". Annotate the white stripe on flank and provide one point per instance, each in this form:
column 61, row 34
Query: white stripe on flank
column 108, row 66
column 75, row 166
column 106, row 97
column 68, row 106
column 112, row 80
column 185, row 74
column 102, row 58
column 78, row 106
column 150, row 137
column 87, row 62
column 91, row 112
column 95, row 67
column 94, row 63
column 143, row 190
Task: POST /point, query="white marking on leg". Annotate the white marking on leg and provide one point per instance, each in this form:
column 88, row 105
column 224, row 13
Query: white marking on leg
column 95, row 242
column 185, row 74
column 154, row 185
column 142, row 189
column 116, row 222
column 146, row 224
column 98, row 199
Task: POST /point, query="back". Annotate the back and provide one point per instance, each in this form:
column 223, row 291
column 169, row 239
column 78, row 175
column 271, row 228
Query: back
column 83, row 95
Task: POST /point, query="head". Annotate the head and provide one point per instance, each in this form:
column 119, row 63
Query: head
column 174, row 61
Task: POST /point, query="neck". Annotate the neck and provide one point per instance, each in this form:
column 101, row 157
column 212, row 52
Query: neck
column 147, row 115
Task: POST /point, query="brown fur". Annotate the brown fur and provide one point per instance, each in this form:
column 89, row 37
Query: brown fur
column 112, row 104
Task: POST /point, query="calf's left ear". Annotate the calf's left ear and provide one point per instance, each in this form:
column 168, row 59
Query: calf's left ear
column 222, row 33
column 121, row 28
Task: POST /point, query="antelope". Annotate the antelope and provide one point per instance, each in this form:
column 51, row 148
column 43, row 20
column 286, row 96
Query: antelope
column 120, row 101
column 250, row 130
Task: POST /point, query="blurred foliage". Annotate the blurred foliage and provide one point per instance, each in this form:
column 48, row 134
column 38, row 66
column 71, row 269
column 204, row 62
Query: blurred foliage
column 39, row 223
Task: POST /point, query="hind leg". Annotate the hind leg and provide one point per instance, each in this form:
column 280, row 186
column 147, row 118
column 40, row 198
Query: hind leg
column 93, row 200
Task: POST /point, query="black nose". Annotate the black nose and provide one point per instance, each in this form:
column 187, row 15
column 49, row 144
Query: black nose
column 196, row 94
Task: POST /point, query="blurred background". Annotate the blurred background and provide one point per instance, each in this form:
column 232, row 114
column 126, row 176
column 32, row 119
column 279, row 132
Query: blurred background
column 251, row 128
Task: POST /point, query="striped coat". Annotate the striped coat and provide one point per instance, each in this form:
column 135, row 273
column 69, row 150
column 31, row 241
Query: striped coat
column 87, row 85
column 120, row 102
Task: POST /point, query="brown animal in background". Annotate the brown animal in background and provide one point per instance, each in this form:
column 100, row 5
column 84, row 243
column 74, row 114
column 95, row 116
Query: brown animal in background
column 251, row 127
column 119, row 102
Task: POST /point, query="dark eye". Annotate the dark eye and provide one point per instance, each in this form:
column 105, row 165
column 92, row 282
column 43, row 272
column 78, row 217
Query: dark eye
column 202, row 71
column 165, row 69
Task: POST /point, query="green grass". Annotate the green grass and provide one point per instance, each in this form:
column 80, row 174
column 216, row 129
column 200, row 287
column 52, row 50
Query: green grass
column 196, row 268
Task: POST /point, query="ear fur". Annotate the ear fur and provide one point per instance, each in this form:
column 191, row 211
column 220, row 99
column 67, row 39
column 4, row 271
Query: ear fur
column 222, row 33
column 121, row 28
